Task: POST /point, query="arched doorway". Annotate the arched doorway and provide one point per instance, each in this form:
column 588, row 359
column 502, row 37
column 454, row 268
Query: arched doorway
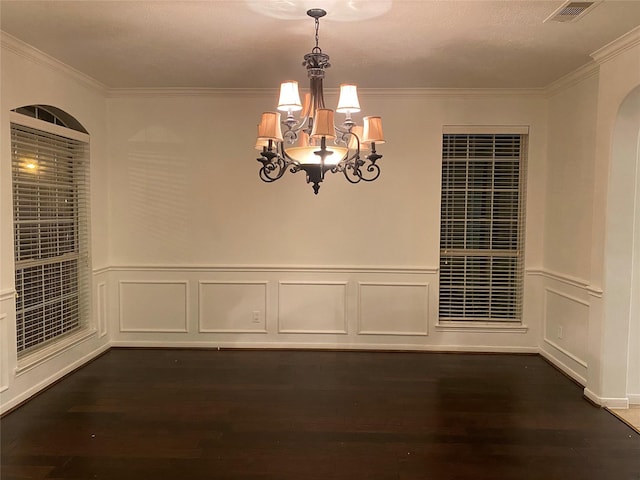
column 622, row 250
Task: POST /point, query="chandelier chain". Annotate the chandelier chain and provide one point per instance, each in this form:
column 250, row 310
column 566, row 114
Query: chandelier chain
column 317, row 48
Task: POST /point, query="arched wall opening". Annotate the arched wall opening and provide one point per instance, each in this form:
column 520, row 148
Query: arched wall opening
column 622, row 254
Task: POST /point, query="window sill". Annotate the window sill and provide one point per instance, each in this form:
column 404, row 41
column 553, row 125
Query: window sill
column 483, row 327
column 32, row 360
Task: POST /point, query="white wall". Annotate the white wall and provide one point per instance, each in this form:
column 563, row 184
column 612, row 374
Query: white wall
column 612, row 239
column 590, row 324
column 623, row 245
column 195, row 232
column 571, row 155
column 565, row 278
column 28, row 78
column 633, row 380
column 190, row 248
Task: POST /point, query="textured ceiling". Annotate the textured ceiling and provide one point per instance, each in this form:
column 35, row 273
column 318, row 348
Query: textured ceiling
column 232, row 44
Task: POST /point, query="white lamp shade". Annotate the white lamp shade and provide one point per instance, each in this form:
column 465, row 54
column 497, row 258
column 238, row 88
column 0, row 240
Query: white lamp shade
column 323, row 124
column 303, row 139
column 373, row 130
column 353, row 143
column 289, row 97
column 348, row 101
column 269, row 127
column 260, row 144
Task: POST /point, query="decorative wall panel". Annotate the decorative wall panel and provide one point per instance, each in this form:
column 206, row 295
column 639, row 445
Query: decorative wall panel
column 158, row 306
column 393, row 308
column 101, row 308
column 565, row 324
column 276, row 306
column 312, row 307
column 4, row 357
column 232, row 307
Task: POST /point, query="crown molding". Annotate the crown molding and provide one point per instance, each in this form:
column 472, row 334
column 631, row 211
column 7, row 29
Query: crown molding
column 453, row 92
column 364, row 92
column 600, row 56
column 12, row 44
column 573, row 78
column 26, row 51
column 173, row 92
column 618, row 46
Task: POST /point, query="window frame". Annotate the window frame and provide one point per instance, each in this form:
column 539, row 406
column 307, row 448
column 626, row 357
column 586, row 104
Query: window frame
column 483, row 323
column 35, row 354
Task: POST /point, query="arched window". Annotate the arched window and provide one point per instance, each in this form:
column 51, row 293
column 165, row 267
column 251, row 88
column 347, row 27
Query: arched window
column 50, row 175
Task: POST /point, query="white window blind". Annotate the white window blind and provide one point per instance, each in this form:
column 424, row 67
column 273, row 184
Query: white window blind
column 50, row 174
column 482, row 227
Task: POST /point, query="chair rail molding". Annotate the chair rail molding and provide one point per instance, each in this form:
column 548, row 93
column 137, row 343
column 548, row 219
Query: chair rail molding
column 401, row 269
column 559, row 277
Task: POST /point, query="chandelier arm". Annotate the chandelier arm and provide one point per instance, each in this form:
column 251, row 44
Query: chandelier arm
column 374, row 170
column 289, row 160
column 275, row 164
column 353, row 171
column 347, row 162
column 272, row 169
column 290, row 135
column 293, row 130
column 344, row 129
column 351, row 177
column 342, row 137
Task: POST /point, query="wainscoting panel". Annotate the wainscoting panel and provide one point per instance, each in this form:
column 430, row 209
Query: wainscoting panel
column 565, row 327
column 101, row 308
column 153, row 306
column 7, row 344
column 563, row 303
column 312, row 307
column 393, row 308
column 273, row 306
column 4, row 357
column 232, row 307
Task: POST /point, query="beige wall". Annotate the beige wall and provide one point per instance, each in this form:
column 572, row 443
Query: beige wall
column 190, row 248
column 589, row 320
column 565, row 279
column 29, row 78
column 185, row 186
column 613, row 242
column 570, row 169
column 355, row 266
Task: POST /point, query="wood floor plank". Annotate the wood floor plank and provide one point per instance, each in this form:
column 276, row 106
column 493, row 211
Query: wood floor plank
column 203, row 414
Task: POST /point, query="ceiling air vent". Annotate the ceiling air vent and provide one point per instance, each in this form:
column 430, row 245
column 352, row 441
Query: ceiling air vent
column 570, row 11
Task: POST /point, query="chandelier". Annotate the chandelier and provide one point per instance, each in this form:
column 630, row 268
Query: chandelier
column 313, row 142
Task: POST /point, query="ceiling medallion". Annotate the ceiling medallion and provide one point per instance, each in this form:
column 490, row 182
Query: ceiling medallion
column 341, row 10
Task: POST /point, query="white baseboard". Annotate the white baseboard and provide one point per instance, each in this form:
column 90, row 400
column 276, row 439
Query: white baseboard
column 324, row 346
column 53, row 378
column 634, row 398
column 606, row 402
column 563, row 367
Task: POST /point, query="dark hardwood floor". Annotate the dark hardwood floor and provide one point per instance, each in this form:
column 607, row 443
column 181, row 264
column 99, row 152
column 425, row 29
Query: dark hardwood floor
column 202, row 414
